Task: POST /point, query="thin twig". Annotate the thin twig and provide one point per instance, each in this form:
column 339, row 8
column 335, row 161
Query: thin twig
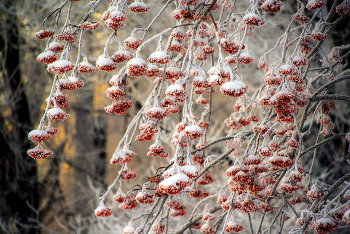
column 250, row 223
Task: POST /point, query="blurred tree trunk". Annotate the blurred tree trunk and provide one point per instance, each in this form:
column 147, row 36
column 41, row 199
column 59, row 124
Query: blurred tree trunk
column 18, row 172
column 100, row 139
column 90, row 147
column 83, row 146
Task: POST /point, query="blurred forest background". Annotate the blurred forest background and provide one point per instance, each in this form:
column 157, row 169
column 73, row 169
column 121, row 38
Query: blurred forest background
column 58, row 195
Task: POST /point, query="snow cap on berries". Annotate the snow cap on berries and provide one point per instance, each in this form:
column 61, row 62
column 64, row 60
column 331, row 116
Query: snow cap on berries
column 233, row 226
column 60, row 66
column 233, row 89
column 75, row 80
column 122, row 55
column 55, row 46
column 38, row 135
column 57, row 113
column 245, row 58
column 42, row 34
column 124, row 156
column 193, row 132
column 132, row 42
column 314, row 4
column 86, row 67
column 173, row 184
column 175, row 90
column 47, row 57
column 129, row 229
column 103, row 211
column 116, row 16
column 105, row 63
column 232, row 170
column 136, row 67
column 189, row 170
column 215, row 80
column 285, row 69
column 139, row 7
column 159, row 57
column 144, row 198
column 114, row 92
column 253, row 19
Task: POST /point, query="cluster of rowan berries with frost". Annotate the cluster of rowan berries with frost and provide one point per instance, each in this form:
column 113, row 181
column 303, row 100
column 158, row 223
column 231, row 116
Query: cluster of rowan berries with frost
column 206, row 47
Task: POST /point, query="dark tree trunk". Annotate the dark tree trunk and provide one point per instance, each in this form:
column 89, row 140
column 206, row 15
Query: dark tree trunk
column 100, row 139
column 18, row 172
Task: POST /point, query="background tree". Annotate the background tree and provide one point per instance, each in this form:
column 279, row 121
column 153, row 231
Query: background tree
column 19, row 188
